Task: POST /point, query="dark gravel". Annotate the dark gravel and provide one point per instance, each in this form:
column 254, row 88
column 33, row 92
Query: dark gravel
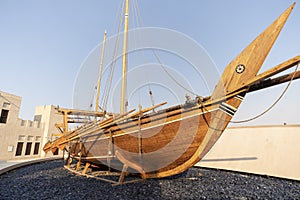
column 51, row 181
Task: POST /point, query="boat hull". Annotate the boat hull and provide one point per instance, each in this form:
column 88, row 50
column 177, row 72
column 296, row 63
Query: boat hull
column 172, row 140
column 159, row 145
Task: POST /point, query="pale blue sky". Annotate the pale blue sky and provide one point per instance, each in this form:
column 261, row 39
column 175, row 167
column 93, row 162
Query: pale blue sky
column 43, row 44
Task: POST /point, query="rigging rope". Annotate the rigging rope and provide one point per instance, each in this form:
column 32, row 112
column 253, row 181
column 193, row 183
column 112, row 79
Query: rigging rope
column 9, row 101
column 253, row 118
column 162, row 66
column 139, row 20
column 117, row 24
column 104, row 100
column 166, row 71
column 139, row 23
column 273, row 105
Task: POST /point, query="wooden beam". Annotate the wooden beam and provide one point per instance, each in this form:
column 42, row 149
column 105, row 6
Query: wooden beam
column 80, row 112
column 273, row 71
column 276, row 81
column 87, row 165
column 128, row 162
column 123, row 173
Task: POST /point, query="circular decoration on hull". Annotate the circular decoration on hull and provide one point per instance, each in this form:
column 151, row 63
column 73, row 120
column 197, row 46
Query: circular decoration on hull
column 240, row 68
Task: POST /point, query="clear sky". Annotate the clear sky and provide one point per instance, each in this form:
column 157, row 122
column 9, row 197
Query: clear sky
column 43, row 44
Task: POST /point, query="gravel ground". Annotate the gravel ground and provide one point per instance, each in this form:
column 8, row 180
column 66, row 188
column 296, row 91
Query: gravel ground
column 51, row 180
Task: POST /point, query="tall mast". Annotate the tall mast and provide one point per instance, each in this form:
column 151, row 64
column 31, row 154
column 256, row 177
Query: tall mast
column 100, row 73
column 123, row 105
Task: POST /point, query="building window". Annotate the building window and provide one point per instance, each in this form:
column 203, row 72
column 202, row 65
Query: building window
column 4, row 115
column 36, row 148
column 37, row 118
column 23, row 122
column 19, row 148
column 6, row 105
column 10, row 148
column 30, row 138
column 22, row 138
column 28, row 148
column 55, row 152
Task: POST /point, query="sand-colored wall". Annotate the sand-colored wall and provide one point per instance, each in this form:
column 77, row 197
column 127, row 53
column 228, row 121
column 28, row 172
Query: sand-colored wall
column 16, row 130
column 49, row 118
column 266, row 150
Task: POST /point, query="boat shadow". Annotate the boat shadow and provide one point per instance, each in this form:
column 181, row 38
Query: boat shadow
column 228, row 159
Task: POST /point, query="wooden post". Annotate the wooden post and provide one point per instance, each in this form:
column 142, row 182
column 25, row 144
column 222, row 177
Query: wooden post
column 122, row 176
column 70, row 160
column 140, row 136
column 87, row 165
column 79, row 160
column 110, row 149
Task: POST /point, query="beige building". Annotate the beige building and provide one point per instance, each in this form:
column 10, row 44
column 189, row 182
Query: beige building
column 24, row 139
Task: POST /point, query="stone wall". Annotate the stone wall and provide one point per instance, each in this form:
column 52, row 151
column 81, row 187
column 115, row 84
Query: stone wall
column 265, row 150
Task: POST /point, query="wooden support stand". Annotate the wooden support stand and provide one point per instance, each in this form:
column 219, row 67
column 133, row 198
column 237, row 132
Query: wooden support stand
column 87, row 165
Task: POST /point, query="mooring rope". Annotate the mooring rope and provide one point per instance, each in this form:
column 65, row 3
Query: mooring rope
column 261, row 114
column 273, row 105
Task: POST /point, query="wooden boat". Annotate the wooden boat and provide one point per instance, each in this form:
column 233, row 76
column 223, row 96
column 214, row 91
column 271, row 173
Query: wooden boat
column 167, row 142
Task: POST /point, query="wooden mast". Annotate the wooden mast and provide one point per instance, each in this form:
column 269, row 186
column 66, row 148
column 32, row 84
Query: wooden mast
column 100, row 73
column 123, row 105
